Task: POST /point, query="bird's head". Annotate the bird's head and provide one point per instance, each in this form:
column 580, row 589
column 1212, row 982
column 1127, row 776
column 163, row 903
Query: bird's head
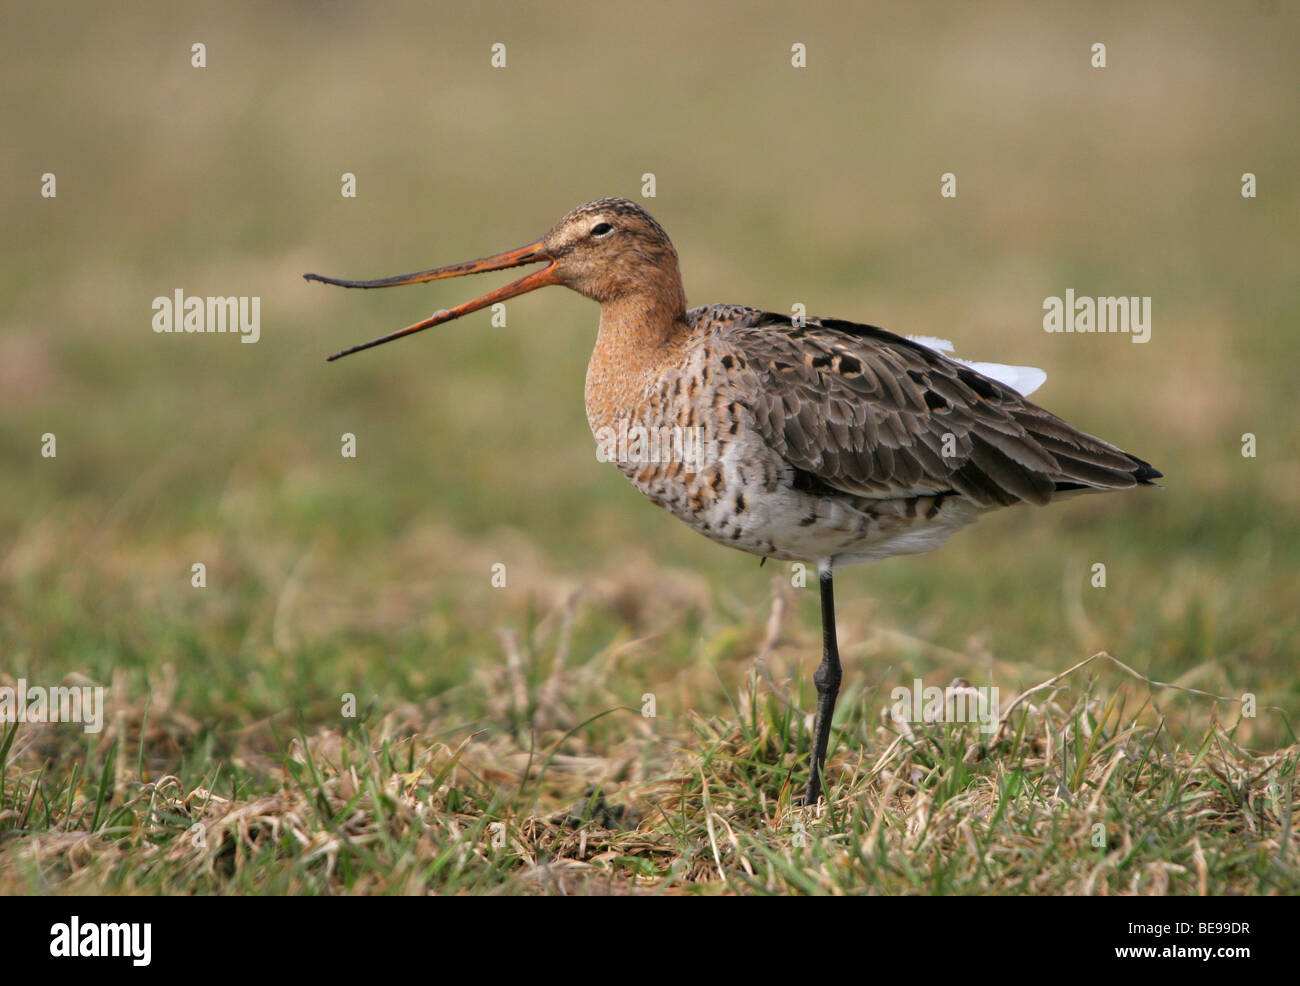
column 607, row 250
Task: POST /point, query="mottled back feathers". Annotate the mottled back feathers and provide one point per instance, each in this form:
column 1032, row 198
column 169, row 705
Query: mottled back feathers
column 872, row 414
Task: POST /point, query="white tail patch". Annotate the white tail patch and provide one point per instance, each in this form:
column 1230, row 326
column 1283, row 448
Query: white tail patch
column 1024, row 380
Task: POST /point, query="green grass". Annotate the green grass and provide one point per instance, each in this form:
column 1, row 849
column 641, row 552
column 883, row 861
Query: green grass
column 487, row 717
column 1075, row 795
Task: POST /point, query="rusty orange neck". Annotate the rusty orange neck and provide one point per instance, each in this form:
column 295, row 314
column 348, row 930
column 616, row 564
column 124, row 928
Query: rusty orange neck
column 647, row 322
column 640, row 336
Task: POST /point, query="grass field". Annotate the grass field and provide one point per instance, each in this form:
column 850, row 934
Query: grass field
column 498, row 743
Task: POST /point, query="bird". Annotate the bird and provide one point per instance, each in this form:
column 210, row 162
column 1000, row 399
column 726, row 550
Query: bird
column 803, row 439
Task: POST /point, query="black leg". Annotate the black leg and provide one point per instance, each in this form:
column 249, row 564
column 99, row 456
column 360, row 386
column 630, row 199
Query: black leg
column 827, row 680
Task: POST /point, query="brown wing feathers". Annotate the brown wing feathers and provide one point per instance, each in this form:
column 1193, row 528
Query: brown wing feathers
column 870, row 413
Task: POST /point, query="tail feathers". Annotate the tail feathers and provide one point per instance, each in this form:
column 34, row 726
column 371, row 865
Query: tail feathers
column 1145, row 472
column 1141, row 474
column 1083, row 461
column 1024, row 380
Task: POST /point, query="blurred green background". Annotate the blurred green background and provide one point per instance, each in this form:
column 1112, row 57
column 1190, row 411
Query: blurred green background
column 778, row 185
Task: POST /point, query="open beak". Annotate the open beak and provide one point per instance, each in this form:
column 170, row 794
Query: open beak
column 531, row 253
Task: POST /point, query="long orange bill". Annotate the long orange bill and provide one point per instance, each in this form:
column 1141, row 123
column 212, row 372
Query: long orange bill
column 532, row 253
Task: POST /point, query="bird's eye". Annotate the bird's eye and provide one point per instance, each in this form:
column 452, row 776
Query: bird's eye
column 600, row 229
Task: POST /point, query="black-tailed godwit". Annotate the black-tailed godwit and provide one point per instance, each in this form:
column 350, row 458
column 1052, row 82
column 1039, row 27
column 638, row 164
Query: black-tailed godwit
column 814, row 440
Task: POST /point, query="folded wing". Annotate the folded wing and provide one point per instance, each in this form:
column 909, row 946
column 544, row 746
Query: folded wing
column 856, row 409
